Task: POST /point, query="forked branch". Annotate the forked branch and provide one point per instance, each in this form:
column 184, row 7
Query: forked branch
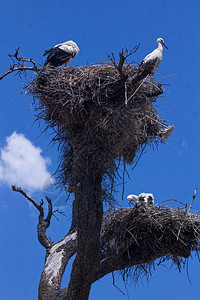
column 122, row 57
column 20, row 63
column 43, row 224
column 57, row 255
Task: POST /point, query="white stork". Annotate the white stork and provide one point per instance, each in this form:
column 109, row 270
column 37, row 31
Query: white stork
column 61, row 54
column 156, row 55
column 146, row 198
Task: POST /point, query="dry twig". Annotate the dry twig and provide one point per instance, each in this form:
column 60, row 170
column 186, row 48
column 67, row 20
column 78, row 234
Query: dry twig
column 19, row 64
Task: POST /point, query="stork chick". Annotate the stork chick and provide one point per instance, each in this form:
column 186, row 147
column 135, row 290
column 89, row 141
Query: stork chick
column 146, row 198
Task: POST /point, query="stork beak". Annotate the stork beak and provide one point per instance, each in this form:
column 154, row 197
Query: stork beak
column 134, row 199
column 165, row 45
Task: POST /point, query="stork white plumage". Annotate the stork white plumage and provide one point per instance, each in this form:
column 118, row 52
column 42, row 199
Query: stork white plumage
column 146, row 198
column 155, row 56
column 61, row 54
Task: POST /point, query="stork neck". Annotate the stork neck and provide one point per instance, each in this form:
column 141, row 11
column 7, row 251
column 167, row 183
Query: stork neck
column 160, row 47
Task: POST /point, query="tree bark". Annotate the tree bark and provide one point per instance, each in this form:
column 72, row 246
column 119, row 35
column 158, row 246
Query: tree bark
column 87, row 176
column 55, row 263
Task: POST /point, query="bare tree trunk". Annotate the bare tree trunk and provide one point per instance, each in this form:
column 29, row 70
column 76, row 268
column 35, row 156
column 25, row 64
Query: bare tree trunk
column 88, row 177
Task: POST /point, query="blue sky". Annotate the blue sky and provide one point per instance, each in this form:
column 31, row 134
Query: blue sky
column 100, row 27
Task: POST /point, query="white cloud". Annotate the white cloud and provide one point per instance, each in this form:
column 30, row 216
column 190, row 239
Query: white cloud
column 21, row 163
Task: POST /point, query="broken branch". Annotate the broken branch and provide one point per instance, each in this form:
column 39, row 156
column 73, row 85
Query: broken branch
column 43, row 224
column 194, row 196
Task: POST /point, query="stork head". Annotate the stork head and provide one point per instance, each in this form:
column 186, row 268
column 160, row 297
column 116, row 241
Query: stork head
column 161, row 41
column 132, row 197
column 73, row 45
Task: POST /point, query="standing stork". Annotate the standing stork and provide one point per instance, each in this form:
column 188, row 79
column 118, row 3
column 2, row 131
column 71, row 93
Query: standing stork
column 146, row 198
column 61, row 54
column 150, row 63
column 156, row 56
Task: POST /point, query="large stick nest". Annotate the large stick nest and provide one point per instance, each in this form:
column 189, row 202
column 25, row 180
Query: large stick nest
column 104, row 113
column 139, row 235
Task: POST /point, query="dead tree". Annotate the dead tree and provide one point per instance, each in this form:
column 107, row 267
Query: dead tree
column 103, row 115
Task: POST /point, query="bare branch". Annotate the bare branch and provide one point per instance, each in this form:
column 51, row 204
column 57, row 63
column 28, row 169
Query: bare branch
column 122, row 57
column 19, row 64
column 57, row 259
column 22, row 58
column 50, row 213
column 124, row 54
column 19, row 190
column 59, row 212
column 194, row 196
column 112, row 59
column 43, row 224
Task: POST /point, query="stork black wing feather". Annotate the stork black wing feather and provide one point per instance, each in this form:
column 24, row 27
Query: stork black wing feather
column 48, row 51
column 57, row 57
column 147, row 66
column 148, row 63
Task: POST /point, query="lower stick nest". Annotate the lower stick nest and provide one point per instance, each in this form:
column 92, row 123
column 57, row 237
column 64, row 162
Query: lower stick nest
column 139, row 235
column 106, row 115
